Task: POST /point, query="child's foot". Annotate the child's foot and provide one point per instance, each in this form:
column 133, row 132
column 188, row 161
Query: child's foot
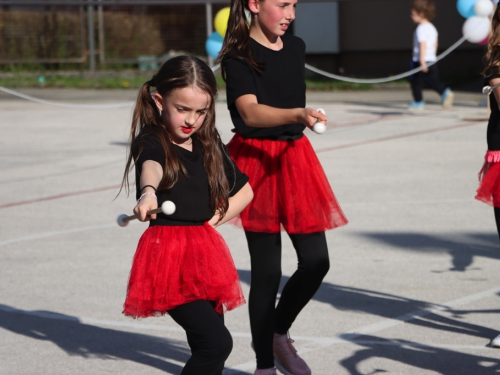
column 266, row 371
column 416, row 105
column 447, row 99
column 286, row 358
column 496, row 342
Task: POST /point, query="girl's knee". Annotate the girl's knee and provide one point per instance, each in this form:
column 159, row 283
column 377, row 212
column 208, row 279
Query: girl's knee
column 319, row 266
column 221, row 345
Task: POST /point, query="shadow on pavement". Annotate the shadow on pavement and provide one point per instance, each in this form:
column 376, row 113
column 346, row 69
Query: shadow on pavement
column 88, row 341
column 439, row 360
column 462, row 249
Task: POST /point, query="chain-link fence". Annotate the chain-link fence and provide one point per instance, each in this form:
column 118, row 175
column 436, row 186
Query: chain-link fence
column 107, row 32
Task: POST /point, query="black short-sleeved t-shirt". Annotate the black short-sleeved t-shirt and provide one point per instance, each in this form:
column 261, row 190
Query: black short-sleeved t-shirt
column 190, row 195
column 493, row 131
column 281, row 85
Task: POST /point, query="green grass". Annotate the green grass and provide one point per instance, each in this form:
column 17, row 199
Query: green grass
column 80, row 82
column 134, row 80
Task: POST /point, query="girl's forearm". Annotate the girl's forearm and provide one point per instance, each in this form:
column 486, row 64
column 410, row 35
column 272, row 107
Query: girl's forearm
column 236, row 204
column 262, row 116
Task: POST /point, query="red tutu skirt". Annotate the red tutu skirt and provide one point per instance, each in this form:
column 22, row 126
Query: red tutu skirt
column 489, row 184
column 175, row 265
column 291, row 190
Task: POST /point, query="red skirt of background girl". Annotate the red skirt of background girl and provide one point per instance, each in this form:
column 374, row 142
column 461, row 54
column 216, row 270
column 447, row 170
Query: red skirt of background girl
column 291, row 190
column 175, row 265
column 489, row 180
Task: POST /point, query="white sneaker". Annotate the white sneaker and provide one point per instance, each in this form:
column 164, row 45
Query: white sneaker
column 496, row 342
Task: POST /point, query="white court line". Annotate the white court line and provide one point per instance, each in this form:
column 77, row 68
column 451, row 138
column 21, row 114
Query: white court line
column 314, row 343
column 58, row 233
column 317, row 343
column 77, row 230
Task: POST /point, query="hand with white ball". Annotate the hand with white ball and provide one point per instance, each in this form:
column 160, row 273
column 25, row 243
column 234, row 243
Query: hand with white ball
column 319, row 127
column 167, row 207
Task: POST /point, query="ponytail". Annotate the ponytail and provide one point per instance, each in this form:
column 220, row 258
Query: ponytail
column 146, row 119
column 177, row 73
column 238, row 36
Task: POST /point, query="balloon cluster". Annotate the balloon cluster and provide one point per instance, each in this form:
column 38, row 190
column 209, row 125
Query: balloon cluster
column 213, row 44
column 476, row 28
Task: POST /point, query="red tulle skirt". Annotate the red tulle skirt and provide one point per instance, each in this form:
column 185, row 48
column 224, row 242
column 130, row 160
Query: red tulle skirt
column 291, row 190
column 175, row 265
column 489, row 184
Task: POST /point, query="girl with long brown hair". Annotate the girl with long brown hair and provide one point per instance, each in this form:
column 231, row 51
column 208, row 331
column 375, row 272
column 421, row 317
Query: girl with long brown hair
column 489, row 176
column 265, row 81
column 182, row 266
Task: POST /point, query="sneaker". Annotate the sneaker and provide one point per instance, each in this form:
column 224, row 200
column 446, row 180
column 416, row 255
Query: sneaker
column 496, row 342
column 267, row 371
column 447, row 99
column 286, row 358
column 416, row 105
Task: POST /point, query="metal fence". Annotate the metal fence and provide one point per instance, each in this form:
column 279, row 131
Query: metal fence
column 92, row 32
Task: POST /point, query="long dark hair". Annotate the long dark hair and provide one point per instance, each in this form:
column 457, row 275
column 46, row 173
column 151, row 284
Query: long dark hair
column 238, row 36
column 177, row 73
column 492, row 56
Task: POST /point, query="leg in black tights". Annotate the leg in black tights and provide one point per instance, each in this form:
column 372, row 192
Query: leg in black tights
column 497, row 219
column 265, row 259
column 207, row 336
column 265, row 318
column 313, row 265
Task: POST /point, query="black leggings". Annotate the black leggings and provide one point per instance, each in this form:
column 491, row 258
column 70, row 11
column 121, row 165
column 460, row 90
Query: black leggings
column 265, row 317
column 497, row 220
column 430, row 78
column 207, row 336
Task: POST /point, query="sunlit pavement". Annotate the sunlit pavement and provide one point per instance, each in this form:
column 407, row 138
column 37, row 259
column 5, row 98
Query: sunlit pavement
column 413, row 286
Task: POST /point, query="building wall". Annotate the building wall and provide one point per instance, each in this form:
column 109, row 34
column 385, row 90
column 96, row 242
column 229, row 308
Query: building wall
column 375, row 38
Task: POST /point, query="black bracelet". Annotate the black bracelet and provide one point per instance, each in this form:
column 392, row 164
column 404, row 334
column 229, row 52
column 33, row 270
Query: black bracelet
column 144, row 187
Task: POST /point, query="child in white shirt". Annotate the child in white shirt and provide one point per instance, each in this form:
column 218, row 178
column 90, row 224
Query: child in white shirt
column 425, row 43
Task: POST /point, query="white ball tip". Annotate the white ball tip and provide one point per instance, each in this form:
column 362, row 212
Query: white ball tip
column 319, row 128
column 121, row 220
column 321, row 110
column 168, row 207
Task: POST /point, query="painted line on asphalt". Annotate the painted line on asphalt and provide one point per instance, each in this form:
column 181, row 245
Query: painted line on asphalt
column 398, row 136
column 318, row 343
column 314, row 343
column 97, row 227
column 57, row 233
column 59, row 196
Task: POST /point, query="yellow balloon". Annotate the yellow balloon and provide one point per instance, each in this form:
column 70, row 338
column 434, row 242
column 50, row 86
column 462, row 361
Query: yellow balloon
column 220, row 21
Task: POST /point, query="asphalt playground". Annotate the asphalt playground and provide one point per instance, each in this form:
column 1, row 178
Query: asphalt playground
column 414, row 284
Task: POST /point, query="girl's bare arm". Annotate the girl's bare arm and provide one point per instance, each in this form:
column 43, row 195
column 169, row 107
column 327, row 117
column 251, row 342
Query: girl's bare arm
column 262, row 116
column 236, row 204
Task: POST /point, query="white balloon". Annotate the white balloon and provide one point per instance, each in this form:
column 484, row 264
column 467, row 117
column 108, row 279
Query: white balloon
column 476, row 29
column 483, row 8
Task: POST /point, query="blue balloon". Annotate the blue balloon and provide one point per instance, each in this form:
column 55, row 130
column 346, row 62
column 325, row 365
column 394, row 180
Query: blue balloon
column 213, row 44
column 466, row 8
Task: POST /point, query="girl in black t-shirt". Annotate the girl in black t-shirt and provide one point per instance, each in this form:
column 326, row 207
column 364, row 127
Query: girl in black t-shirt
column 265, row 81
column 489, row 176
column 182, row 266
